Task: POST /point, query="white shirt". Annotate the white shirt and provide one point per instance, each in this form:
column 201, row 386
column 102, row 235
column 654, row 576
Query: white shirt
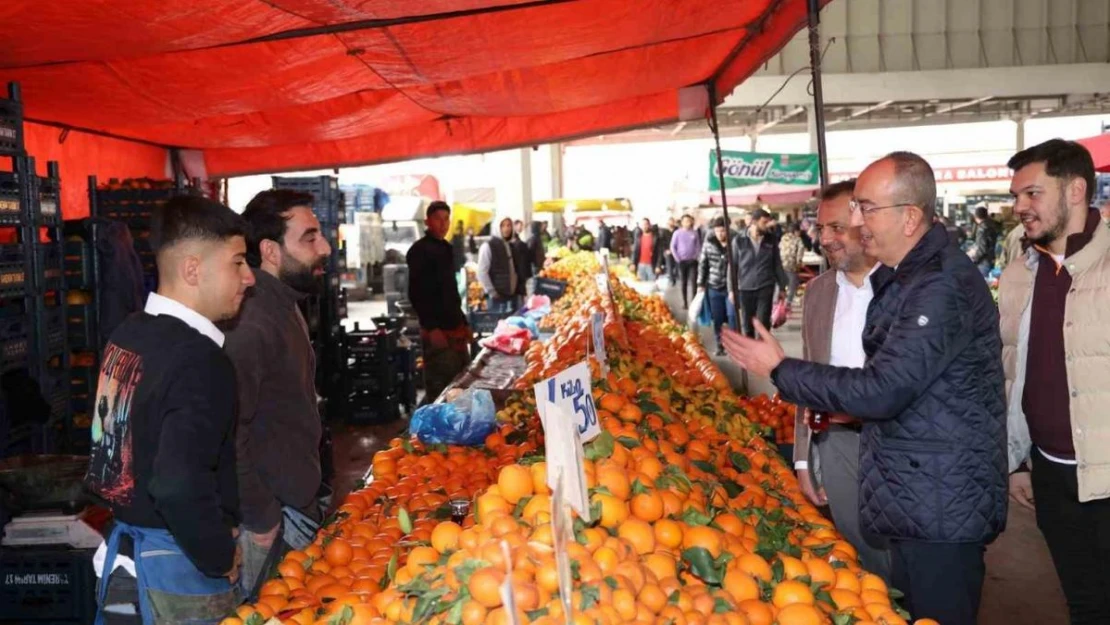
column 160, row 305
column 849, row 320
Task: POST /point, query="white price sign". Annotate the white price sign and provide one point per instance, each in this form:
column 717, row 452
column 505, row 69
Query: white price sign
column 597, row 324
column 571, row 391
column 566, row 473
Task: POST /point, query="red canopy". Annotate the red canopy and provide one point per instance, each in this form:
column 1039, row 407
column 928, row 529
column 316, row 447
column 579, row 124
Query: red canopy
column 271, row 85
column 1099, row 147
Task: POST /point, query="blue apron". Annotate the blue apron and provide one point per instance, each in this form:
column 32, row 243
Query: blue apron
column 161, row 568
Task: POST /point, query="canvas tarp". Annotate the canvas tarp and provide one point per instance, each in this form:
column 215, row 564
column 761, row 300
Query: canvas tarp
column 280, row 85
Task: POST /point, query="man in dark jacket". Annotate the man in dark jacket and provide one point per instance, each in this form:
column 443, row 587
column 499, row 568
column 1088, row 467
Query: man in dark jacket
column 497, row 269
column 537, row 253
column 523, row 264
column 933, row 460
column 434, row 293
column 647, row 251
column 986, row 238
column 279, row 429
column 755, row 254
column 713, row 276
column 458, row 245
column 604, row 236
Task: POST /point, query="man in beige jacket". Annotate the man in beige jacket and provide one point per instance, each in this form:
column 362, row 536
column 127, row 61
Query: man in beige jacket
column 1054, row 302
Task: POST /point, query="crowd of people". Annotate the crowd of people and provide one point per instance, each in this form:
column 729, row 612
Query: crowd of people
column 922, row 404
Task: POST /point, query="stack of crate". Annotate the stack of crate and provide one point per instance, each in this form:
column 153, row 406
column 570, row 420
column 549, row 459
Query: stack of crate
column 324, row 313
column 33, row 341
column 371, row 381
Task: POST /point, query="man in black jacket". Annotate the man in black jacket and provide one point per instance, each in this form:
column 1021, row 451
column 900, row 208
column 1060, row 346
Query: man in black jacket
column 647, row 251
column 278, row 436
column 163, row 445
column 986, row 238
column 713, row 276
column 933, row 461
column 434, row 294
column 755, row 254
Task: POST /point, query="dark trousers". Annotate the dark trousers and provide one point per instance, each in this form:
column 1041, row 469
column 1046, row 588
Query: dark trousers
column 688, row 272
column 718, row 310
column 756, row 304
column 942, row 581
column 1078, row 536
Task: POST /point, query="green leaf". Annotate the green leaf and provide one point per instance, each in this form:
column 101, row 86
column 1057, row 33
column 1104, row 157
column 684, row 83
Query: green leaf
column 665, row 384
column 535, row 614
column 720, row 606
column 628, row 442
column 902, row 613
column 407, row 446
column 531, row 459
column 591, row 595
column 595, row 510
column 441, row 513
column 673, row 598
column 837, row 564
column 638, row 488
column 454, row 615
column 732, row 488
column 599, row 448
column 740, row 462
column 611, row 582
column 822, row 550
column 254, row 619
column 601, row 490
column 467, row 568
column 519, row 509
column 896, row 594
column 404, row 521
column 575, row 570
column 705, row 466
column 692, row 516
column 821, row 594
column 703, row 566
column 648, row 406
column 777, row 571
column 843, row 619
column 391, row 568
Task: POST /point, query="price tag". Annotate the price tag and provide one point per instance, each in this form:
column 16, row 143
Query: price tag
column 561, row 525
column 602, row 283
column 597, row 323
column 563, row 450
column 507, row 597
column 571, row 391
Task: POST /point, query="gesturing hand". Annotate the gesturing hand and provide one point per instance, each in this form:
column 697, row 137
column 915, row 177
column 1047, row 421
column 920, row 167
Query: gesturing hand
column 758, row 356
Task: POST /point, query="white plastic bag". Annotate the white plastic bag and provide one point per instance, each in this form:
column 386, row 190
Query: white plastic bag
column 694, row 310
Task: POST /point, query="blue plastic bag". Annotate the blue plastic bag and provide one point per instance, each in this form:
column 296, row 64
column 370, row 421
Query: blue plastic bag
column 526, row 323
column 467, row 420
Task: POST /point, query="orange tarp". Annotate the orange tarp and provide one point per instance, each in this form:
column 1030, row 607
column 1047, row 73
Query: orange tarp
column 260, row 86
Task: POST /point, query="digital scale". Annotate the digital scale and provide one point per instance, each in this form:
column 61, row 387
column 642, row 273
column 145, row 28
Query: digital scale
column 36, row 529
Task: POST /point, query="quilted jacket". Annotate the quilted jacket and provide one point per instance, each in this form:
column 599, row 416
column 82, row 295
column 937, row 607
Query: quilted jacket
column 933, row 447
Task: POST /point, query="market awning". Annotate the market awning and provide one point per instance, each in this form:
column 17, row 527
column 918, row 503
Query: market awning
column 280, row 85
column 764, row 193
column 1099, row 147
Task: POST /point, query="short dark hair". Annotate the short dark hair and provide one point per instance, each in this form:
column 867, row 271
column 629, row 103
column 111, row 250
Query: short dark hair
column 435, row 207
column 1062, row 159
column 193, row 218
column 685, row 217
column 718, row 222
column 916, row 178
column 837, row 189
column 981, row 212
column 758, row 214
column 267, row 216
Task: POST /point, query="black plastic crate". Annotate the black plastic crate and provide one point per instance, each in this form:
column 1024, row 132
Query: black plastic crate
column 81, row 326
column 13, row 279
column 373, row 408
column 11, row 122
column 77, row 263
column 43, row 584
column 11, row 199
column 50, row 264
column 49, row 192
column 551, row 288
column 370, row 345
column 486, row 322
column 55, row 329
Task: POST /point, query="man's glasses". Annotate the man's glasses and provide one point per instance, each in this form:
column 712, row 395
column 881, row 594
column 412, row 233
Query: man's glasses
column 867, row 211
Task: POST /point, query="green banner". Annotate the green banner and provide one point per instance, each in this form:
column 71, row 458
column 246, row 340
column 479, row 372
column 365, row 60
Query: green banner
column 744, row 169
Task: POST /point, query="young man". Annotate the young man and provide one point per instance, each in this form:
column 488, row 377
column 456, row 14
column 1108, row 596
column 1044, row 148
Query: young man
column 755, row 253
column 930, row 395
column 832, row 333
column 986, row 238
column 791, row 249
column 163, row 445
column 1055, row 311
column 279, row 429
column 685, row 249
column 647, row 252
column 434, row 294
column 497, row 269
column 713, row 276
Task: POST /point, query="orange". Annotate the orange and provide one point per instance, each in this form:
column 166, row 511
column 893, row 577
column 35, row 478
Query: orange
column 792, row 567
column 799, row 614
column 515, row 482
column 615, row 480
column 846, row 580
column 789, row 592
column 821, row 572
column 741, row 585
column 647, row 506
column 639, row 533
column 338, row 552
column 421, row 557
column 754, row 565
column 844, row 599
column 669, row 533
column 539, row 478
column 653, row 598
column 870, row 595
column 275, row 587
column 661, row 565
column 705, row 537
column 445, row 537
column 291, row 569
column 613, row 511
column 473, row 613
column 758, row 613
column 485, row 586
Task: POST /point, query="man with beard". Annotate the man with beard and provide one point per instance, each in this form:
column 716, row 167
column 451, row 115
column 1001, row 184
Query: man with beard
column 279, row 429
column 832, row 333
column 930, row 396
column 497, row 269
column 1053, row 300
column 755, row 253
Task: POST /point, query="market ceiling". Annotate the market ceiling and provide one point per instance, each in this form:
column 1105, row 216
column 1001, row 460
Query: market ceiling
column 302, row 84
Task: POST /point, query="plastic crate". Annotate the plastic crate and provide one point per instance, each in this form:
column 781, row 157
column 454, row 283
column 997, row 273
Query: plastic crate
column 81, row 327
column 55, row 585
column 77, row 264
column 14, row 353
column 365, row 346
column 11, row 122
column 52, row 271
column 49, row 194
column 13, row 279
column 486, row 322
column 551, row 288
column 55, row 329
column 11, row 199
column 373, row 409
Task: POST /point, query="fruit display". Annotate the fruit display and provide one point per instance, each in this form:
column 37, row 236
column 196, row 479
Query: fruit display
column 475, row 294
column 696, row 519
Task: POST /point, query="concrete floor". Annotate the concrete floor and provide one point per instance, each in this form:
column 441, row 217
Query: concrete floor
column 1021, row 586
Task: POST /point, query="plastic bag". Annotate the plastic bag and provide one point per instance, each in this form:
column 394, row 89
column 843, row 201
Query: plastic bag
column 509, row 338
column 526, row 323
column 694, row 312
column 780, row 313
column 466, row 420
column 535, row 302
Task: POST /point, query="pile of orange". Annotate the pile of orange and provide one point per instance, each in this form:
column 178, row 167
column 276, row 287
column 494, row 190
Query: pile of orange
column 696, row 520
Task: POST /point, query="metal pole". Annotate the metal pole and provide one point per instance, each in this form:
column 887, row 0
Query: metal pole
column 813, row 10
column 724, row 201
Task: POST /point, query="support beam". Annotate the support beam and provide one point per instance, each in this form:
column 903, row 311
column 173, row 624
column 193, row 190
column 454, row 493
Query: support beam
column 526, row 184
column 798, row 110
column 953, row 84
column 944, row 110
column 861, row 112
column 1019, row 139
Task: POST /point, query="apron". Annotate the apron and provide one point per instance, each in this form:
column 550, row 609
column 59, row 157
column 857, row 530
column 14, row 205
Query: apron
column 171, row 589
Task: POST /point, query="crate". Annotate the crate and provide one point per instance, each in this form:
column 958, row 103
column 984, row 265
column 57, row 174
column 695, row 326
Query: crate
column 77, row 264
column 55, row 324
column 11, row 122
column 486, row 322
column 50, row 266
column 81, row 327
column 11, row 200
column 328, row 205
column 42, row 584
column 49, row 192
column 370, row 346
column 551, row 288
column 372, row 409
column 13, row 279
column 14, row 353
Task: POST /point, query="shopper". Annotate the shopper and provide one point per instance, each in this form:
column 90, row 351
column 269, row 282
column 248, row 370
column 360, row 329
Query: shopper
column 163, row 449
column 604, row 236
column 1055, row 319
column 986, row 238
column 713, row 276
column 434, row 294
column 930, row 395
column 685, row 250
column 522, row 263
column 471, row 243
column 791, row 250
column 278, row 436
column 755, row 254
column 497, row 269
column 584, row 239
column 518, row 229
column 647, row 251
column 670, row 265
column 458, row 245
column 537, row 253
column 835, row 314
